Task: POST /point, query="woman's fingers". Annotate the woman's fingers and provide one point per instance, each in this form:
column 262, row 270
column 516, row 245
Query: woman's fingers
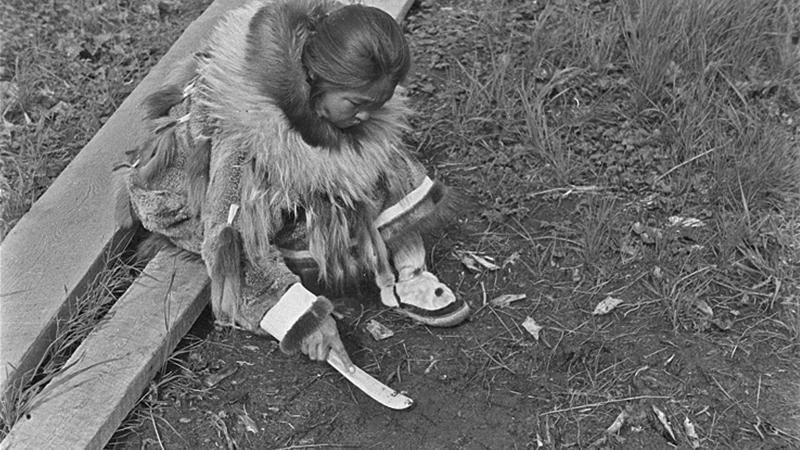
column 338, row 347
column 318, row 344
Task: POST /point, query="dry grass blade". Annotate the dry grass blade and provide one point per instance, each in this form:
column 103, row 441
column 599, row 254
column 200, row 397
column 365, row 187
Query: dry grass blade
column 87, row 312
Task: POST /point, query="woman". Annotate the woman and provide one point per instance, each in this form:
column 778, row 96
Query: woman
column 280, row 145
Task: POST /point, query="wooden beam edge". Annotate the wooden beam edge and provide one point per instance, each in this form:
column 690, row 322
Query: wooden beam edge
column 84, row 405
column 60, row 244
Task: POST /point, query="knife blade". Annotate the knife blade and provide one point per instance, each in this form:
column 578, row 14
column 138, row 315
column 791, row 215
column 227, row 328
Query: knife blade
column 378, row 391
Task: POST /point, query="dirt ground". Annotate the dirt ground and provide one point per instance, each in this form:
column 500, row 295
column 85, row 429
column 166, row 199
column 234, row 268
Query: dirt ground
column 554, row 231
column 484, row 384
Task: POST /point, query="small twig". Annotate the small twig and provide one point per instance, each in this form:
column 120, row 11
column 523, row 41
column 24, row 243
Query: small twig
column 155, row 429
column 694, row 158
column 567, row 190
column 607, row 402
column 508, row 330
column 499, row 363
column 168, row 294
column 733, row 401
column 758, row 392
column 295, row 447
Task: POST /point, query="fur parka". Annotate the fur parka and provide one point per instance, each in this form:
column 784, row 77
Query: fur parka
column 238, row 154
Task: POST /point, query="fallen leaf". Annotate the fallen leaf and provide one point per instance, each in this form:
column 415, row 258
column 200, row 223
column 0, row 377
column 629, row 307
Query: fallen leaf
column 658, row 273
column 606, row 306
column 666, row 427
column 378, row 330
column 248, row 423
column 638, row 228
column 486, row 262
column 470, row 264
column 688, row 222
column 691, row 433
column 532, row 327
column 511, row 260
column 703, row 307
column 506, row 299
column 618, row 422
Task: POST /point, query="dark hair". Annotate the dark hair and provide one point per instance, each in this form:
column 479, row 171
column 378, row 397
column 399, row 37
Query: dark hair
column 354, row 46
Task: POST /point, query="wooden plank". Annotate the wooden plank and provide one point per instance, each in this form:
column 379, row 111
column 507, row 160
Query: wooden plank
column 58, row 246
column 83, row 406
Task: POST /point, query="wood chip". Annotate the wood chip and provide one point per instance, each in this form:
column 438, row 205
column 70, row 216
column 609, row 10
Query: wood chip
column 666, row 428
column 691, row 433
column 214, row 379
column 511, row 260
column 688, row 222
column 618, row 422
column 532, row 327
column 248, row 423
column 476, row 262
column 507, row 299
column 606, row 306
column 378, row 330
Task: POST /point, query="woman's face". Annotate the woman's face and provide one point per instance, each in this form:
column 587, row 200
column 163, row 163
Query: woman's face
column 349, row 107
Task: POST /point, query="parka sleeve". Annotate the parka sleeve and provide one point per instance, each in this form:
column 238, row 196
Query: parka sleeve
column 241, row 292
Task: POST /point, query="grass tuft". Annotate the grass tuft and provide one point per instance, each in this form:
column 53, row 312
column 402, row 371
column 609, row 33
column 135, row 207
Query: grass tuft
column 87, row 312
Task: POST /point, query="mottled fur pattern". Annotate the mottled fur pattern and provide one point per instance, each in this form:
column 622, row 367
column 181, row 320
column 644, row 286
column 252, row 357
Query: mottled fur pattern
column 159, row 103
column 160, row 152
column 198, row 164
column 171, row 93
column 227, row 271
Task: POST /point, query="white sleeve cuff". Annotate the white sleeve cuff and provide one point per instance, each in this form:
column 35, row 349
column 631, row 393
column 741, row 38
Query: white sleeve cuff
column 295, row 302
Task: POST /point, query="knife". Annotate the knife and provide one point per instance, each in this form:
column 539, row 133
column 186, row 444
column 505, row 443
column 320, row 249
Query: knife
column 381, row 393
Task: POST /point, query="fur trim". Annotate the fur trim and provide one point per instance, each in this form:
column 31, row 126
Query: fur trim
column 160, row 151
column 253, row 87
column 198, row 164
column 172, row 92
column 436, row 207
column 307, row 324
column 159, row 103
column 226, row 277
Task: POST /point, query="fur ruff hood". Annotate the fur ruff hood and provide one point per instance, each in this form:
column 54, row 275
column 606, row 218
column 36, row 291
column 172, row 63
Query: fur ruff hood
column 253, row 88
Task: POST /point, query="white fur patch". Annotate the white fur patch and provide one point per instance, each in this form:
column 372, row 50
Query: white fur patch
column 411, row 200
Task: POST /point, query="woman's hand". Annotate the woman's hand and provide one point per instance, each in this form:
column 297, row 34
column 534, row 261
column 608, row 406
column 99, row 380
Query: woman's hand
column 317, row 344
